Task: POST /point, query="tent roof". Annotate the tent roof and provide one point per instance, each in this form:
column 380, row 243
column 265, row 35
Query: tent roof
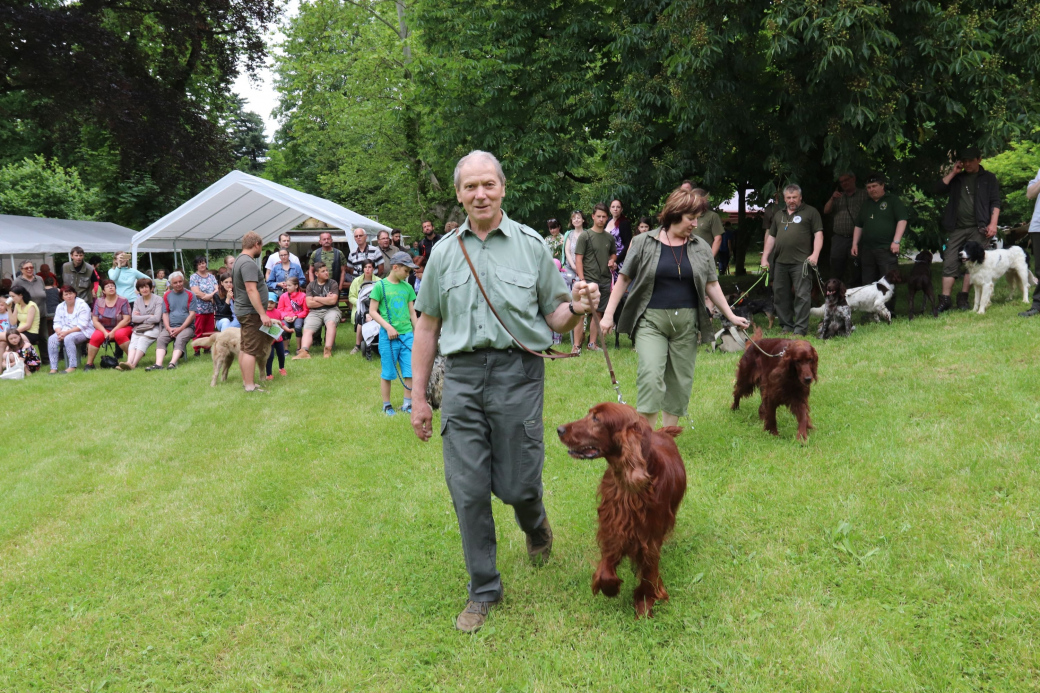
column 221, row 214
column 37, row 235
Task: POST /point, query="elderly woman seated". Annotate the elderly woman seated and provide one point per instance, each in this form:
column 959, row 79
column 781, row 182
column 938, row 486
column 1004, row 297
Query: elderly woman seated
column 147, row 324
column 72, row 327
column 111, row 318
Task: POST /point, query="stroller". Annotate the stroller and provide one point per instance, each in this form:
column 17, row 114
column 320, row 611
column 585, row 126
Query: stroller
column 370, row 329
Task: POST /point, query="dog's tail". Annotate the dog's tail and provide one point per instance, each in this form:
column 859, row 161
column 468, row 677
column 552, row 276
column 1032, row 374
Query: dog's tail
column 205, row 342
column 673, row 431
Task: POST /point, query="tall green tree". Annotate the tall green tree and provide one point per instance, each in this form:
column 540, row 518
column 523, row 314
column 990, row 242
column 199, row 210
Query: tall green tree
column 143, row 86
column 248, row 140
column 39, row 188
column 351, row 132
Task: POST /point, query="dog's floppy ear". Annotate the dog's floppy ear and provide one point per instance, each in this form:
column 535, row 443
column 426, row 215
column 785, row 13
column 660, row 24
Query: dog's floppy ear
column 841, row 290
column 815, row 362
column 632, row 439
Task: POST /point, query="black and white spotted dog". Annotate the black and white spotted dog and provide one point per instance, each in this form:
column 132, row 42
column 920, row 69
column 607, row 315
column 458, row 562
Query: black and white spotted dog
column 987, row 266
column 837, row 315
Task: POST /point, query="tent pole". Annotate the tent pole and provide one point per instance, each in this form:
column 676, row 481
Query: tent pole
column 151, row 264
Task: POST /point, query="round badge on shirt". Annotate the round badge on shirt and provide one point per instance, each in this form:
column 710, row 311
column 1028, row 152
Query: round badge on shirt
column 797, row 219
column 883, row 206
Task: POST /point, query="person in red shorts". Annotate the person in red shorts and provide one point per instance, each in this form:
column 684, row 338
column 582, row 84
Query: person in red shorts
column 111, row 318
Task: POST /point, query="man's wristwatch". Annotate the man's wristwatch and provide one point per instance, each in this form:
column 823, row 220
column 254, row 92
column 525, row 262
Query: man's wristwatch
column 570, row 305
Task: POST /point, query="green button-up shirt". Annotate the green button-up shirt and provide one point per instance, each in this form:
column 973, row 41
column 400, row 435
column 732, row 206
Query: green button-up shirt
column 708, row 227
column 519, row 276
column 641, row 268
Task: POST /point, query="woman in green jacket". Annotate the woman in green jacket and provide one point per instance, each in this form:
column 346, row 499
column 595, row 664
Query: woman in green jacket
column 671, row 272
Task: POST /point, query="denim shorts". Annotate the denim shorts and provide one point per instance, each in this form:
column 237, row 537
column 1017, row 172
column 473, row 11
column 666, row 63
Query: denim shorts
column 393, row 352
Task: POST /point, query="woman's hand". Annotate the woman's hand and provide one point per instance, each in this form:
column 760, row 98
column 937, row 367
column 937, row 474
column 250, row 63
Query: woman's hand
column 742, row 323
column 606, row 324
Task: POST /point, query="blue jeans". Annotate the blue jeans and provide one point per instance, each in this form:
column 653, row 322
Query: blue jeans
column 224, row 323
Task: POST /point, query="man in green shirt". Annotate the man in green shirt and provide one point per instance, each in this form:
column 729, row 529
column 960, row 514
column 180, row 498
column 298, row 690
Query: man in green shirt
column 844, row 205
column 595, row 259
column 392, row 305
column 878, row 232
column 796, row 234
column 491, row 411
column 708, row 226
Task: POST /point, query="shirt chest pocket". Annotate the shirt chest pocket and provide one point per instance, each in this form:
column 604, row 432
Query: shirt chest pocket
column 515, row 290
column 456, row 295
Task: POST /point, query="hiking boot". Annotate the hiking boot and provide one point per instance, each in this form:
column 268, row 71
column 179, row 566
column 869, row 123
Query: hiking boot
column 328, row 352
column 539, row 543
column 962, row 300
column 474, row 615
column 944, row 304
column 301, row 354
column 1029, row 313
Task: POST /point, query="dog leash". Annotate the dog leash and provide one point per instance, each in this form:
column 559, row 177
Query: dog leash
column 819, row 280
column 755, row 344
column 550, row 355
column 610, row 368
column 744, row 295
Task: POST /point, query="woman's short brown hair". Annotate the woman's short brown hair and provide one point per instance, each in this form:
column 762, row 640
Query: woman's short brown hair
column 681, row 202
column 144, row 281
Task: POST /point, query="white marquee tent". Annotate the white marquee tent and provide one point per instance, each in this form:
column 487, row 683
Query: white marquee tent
column 33, row 237
column 221, row 214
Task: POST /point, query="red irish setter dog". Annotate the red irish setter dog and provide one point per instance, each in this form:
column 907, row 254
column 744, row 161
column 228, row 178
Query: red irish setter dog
column 640, row 491
column 783, row 374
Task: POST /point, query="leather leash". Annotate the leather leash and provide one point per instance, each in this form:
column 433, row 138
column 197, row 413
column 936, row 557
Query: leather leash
column 755, row 344
column 610, row 367
column 551, row 355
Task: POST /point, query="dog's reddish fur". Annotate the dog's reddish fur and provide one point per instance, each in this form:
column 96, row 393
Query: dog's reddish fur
column 783, row 380
column 640, row 495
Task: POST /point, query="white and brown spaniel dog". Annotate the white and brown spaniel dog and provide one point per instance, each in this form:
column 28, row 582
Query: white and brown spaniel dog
column 870, row 298
column 987, row 266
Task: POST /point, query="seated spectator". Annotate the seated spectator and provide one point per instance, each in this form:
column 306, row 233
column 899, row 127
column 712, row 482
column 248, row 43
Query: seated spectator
column 5, row 317
column 203, row 285
column 26, row 352
column 27, row 314
column 161, row 283
column 45, row 271
column 178, row 323
column 280, row 271
column 229, row 263
column 111, row 318
column 278, row 346
column 147, row 324
column 53, row 296
column 367, row 278
column 293, row 304
column 393, row 307
column 224, row 304
column 323, row 302
column 125, row 277
column 72, row 327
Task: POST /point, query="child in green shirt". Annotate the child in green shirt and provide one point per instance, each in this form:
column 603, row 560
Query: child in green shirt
column 393, row 307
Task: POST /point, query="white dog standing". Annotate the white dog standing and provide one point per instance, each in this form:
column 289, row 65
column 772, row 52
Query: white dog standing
column 987, row 266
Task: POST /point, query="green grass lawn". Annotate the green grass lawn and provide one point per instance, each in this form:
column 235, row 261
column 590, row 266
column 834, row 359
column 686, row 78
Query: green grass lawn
column 160, row 535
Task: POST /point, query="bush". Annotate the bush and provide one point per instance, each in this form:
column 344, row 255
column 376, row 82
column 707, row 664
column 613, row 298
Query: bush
column 38, row 188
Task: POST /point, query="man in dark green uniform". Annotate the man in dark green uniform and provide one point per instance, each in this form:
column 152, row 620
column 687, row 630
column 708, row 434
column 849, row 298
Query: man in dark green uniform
column 491, row 416
column 708, row 226
column 797, row 236
column 878, row 233
column 971, row 214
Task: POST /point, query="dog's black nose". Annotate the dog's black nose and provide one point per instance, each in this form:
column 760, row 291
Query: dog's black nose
column 807, row 379
column 560, row 430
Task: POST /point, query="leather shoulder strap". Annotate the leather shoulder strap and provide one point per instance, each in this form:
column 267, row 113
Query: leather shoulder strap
column 550, row 354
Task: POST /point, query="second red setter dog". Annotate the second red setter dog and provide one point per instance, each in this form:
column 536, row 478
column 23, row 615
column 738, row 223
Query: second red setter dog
column 782, row 370
column 640, row 494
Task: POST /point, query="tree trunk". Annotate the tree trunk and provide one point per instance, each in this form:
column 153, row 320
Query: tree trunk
column 743, row 235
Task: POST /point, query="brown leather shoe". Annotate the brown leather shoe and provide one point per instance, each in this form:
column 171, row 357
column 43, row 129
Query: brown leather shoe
column 474, row 615
column 539, row 543
column 301, row 354
column 328, row 352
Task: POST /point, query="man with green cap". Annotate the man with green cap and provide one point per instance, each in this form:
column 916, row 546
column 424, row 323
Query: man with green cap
column 971, row 215
column 493, row 391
